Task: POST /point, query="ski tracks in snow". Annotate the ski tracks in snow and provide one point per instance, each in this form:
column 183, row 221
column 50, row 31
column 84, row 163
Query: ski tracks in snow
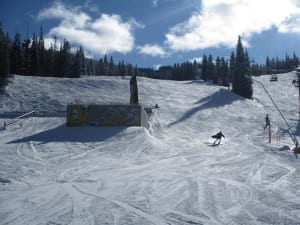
column 31, row 156
column 149, row 217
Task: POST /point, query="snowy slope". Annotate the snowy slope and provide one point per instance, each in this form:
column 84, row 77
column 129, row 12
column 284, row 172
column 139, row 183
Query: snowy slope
column 167, row 174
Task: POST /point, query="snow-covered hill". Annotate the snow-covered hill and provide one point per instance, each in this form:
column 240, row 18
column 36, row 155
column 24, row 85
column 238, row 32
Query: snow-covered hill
column 167, row 174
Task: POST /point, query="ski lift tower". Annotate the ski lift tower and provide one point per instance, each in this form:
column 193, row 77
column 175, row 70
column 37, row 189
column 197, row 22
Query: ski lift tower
column 289, row 130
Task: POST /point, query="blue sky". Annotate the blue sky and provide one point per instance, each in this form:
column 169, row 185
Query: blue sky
column 150, row 33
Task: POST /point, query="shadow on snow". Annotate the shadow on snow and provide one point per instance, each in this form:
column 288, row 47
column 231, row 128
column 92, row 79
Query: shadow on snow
column 218, row 99
column 72, row 134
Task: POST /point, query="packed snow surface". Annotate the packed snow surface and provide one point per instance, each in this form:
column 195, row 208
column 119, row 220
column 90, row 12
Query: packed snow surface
column 169, row 173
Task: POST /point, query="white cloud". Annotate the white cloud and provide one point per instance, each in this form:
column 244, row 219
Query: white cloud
column 154, row 3
column 197, row 59
column 50, row 42
column 219, row 22
column 156, row 67
column 290, row 26
column 70, row 16
column 106, row 34
column 153, row 50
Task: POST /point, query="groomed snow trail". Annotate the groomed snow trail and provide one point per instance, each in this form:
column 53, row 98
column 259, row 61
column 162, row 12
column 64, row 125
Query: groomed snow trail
column 167, row 174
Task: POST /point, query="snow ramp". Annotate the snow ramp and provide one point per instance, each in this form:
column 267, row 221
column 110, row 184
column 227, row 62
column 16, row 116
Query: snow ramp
column 106, row 115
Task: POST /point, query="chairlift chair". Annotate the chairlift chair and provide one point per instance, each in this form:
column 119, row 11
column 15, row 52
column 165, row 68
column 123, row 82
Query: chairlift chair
column 274, row 77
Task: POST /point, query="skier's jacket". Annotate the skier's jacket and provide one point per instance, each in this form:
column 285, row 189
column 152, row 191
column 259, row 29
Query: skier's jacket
column 218, row 135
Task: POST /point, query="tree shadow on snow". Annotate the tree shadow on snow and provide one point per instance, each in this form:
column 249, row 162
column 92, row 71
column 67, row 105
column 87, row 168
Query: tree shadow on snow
column 72, row 134
column 218, row 99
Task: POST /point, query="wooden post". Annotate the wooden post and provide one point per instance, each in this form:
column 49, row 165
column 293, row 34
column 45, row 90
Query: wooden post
column 14, row 120
column 134, row 99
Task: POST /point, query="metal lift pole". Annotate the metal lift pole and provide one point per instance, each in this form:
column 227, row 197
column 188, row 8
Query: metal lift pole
column 293, row 137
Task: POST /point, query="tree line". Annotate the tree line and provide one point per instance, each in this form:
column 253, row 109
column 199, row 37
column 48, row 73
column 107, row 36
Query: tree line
column 275, row 65
column 31, row 57
column 4, row 57
column 237, row 70
column 106, row 66
column 179, row 71
column 220, row 70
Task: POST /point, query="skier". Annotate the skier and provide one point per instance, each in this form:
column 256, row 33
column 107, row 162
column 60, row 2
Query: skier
column 267, row 121
column 218, row 137
column 296, row 151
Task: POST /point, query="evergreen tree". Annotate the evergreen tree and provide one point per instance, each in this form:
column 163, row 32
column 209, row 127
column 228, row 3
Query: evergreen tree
column 65, row 59
column 268, row 65
column 49, row 66
column 123, row 69
column 105, row 66
column 195, row 69
column 218, row 71
column 34, row 57
column 41, row 52
column 26, row 55
column 295, row 60
column 90, row 68
column 100, row 67
column 175, row 74
column 16, row 56
column 4, row 58
column 119, row 68
column 224, row 73
column 111, row 67
column 130, row 71
column 78, row 67
column 242, row 82
column 210, row 68
column 204, row 72
column 57, row 58
column 136, row 71
column 231, row 67
column 81, row 61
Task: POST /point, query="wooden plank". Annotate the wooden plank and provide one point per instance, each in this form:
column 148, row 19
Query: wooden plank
column 14, row 120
